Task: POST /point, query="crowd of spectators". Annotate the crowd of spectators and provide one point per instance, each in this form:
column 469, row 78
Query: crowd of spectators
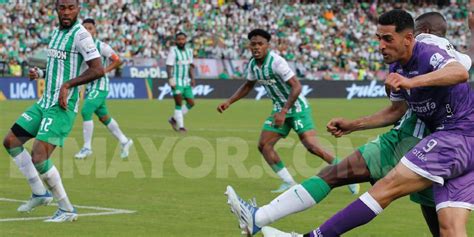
column 335, row 35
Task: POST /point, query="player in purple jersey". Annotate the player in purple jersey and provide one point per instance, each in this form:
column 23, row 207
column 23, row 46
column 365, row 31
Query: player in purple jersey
column 433, row 85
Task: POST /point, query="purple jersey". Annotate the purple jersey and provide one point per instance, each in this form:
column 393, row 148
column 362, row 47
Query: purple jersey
column 447, row 108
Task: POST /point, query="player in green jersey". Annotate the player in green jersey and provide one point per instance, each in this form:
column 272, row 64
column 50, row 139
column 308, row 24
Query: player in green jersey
column 96, row 94
column 180, row 69
column 290, row 108
column 369, row 163
column 50, row 120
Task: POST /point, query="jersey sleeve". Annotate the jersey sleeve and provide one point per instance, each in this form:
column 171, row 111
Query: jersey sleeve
column 106, row 50
column 170, row 60
column 282, row 69
column 435, row 58
column 395, row 95
column 249, row 73
column 444, row 44
column 191, row 56
column 86, row 46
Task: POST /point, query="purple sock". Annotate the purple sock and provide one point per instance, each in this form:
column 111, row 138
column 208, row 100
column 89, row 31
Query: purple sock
column 356, row 214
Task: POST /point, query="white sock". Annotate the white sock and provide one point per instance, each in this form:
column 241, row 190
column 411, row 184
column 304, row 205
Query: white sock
column 27, row 168
column 368, row 200
column 115, row 129
column 53, row 180
column 88, row 130
column 293, row 200
column 286, row 176
column 178, row 116
column 185, row 110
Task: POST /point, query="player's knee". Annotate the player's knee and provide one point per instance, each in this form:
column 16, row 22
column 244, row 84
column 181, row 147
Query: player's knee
column 264, row 146
column 9, row 141
column 330, row 176
column 190, row 104
column 452, row 227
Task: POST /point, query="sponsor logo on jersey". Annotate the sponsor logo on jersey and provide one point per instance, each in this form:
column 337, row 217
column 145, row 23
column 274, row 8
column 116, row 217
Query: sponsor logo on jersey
column 436, row 59
column 26, row 116
column 261, row 91
column 90, row 48
column 57, row 54
column 426, row 108
column 371, row 91
column 419, row 154
column 266, row 82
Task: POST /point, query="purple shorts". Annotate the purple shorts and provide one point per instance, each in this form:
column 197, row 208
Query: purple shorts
column 447, row 159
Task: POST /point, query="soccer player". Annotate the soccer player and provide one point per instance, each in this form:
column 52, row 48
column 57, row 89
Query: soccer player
column 290, row 108
column 180, row 69
column 96, row 94
column 433, row 85
column 370, row 162
column 50, row 120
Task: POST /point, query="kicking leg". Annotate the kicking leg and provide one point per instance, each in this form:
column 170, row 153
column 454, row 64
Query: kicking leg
column 372, row 203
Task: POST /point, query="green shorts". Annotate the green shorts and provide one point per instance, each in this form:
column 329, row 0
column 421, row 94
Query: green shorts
column 185, row 91
column 50, row 125
column 383, row 154
column 300, row 122
column 94, row 103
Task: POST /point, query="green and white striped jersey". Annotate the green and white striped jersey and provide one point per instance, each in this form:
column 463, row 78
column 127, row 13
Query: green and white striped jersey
column 273, row 75
column 181, row 60
column 101, row 84
column 67, row 50
column 410, row 125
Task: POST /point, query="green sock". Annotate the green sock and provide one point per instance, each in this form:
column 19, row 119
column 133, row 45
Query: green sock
column 278, row 166
column 106, row 122
column 317, row 188
column 189, row 106
column 15, row 151
column 44, row 166
column 178, row 107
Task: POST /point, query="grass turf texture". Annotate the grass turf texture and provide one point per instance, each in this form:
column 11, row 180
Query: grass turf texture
column 174, row 188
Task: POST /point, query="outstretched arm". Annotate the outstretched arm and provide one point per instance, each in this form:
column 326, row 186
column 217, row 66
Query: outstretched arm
column 240, row 93
column 451, row 74
column 387, row 116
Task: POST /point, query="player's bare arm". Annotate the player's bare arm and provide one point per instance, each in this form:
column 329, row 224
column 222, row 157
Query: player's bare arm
column 171, row 81
column 191, row 75
column 94, row 71
column 385, row 117
column 294, row 93
column 451, row 74
column 240, row 93
column 115, row 63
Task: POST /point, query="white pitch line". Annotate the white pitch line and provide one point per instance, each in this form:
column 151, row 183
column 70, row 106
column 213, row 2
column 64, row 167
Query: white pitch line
column 108, row 211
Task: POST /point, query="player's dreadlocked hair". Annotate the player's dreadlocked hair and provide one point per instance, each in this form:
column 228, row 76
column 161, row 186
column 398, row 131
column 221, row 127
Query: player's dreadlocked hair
column 400, row 18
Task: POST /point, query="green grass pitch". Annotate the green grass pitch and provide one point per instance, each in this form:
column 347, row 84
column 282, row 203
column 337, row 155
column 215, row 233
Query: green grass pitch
column 175, row 183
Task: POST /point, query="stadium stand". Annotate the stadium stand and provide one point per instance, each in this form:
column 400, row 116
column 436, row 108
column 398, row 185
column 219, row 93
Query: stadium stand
column 315, row 37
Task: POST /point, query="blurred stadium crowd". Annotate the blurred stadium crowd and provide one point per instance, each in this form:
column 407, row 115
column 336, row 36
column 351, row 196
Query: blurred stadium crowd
column 336, row 35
